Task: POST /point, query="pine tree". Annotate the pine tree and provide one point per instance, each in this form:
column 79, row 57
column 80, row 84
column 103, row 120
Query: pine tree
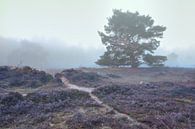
column 130, row 40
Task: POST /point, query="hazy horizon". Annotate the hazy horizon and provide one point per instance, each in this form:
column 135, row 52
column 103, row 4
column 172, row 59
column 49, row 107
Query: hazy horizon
column 63, row 34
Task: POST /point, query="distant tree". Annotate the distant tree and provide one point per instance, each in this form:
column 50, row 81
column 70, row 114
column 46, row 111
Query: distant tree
column 130, row 40
column 172, row 59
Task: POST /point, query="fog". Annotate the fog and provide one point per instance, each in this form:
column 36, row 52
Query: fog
column 63, row 33
column 45, row 54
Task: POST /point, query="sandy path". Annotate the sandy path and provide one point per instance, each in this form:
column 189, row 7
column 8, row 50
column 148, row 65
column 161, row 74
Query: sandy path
column 95, row 98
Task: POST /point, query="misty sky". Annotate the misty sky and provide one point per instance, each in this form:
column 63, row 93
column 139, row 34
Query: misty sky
column 74, row 23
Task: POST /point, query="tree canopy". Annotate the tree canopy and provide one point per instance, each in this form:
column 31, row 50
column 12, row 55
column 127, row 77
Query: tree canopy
column 130, row 40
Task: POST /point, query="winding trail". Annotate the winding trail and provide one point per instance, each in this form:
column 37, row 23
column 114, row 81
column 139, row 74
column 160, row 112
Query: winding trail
column 95, row 98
